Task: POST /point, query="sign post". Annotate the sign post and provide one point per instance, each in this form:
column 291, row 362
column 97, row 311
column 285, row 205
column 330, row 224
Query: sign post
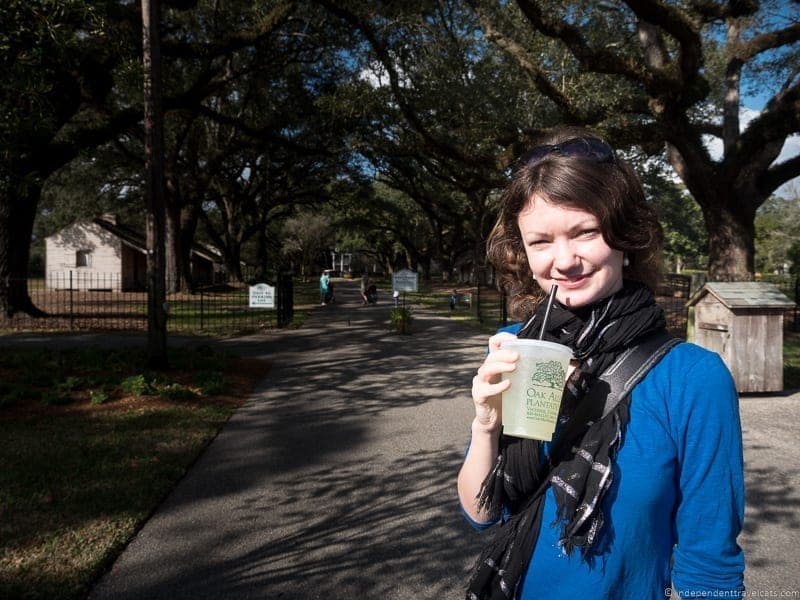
column 405, row 281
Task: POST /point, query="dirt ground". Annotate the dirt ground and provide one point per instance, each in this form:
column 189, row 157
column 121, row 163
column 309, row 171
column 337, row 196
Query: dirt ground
column 241, row 377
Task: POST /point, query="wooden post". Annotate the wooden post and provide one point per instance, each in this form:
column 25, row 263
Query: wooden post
column 154, row 168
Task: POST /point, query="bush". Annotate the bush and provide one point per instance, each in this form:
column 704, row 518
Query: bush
column 177, row 392
column 98, row 396
column 211, row 384
column 400, row 319
column 138, row 385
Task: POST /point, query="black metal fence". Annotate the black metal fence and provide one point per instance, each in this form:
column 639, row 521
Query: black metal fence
column 102, row 302
column 789, row 285
column 673, row 294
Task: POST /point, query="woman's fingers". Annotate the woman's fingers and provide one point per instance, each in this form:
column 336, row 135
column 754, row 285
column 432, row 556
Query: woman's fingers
column 488, row 385
column 483, row 391
column 496, row 340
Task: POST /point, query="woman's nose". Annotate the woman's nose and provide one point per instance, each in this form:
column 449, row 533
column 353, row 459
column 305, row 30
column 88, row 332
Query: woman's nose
column 565, row 258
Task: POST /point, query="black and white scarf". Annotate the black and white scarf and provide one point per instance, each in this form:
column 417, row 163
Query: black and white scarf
column 579, row 467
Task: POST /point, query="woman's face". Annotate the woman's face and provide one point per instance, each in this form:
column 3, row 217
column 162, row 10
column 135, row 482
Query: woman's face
column 565, row 247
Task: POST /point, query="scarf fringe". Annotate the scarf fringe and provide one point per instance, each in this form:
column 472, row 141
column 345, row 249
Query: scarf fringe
column 491, row 496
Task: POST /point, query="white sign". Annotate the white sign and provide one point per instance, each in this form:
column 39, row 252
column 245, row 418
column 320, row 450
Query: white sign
column 262, row 296
column 404, row 281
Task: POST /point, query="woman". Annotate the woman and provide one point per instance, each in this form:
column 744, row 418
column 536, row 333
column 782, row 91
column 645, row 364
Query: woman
column 324, row 285
column 364, row 287
column 574, row 215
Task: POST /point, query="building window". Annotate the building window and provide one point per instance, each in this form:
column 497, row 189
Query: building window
column 83, row 258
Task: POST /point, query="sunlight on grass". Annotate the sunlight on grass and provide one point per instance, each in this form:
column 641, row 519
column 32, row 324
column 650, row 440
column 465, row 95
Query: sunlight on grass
column 68, row 504
column 78, row 479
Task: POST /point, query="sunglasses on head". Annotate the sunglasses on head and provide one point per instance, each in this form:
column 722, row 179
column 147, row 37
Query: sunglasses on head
column 586, row 148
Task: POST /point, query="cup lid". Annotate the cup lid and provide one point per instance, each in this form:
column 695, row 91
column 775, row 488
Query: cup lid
column 533, row 342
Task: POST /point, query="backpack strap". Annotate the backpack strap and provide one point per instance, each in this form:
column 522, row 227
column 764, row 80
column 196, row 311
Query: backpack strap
column 633, row 364
column 613, row 386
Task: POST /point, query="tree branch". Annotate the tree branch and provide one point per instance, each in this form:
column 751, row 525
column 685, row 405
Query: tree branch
column 768, row 41
column 777, row 121
column 677, row 24
column 523, row 58
column 235, row 41
column 382, row 52
column 710, row 10
column 597, row 60
column 261, row 133
column 779, row 174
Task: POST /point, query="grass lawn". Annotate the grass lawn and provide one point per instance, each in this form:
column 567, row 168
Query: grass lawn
column 90, row 443
column 222, row 311
column 791, row 360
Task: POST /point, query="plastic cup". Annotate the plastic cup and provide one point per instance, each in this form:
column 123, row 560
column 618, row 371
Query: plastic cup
column 532, row 402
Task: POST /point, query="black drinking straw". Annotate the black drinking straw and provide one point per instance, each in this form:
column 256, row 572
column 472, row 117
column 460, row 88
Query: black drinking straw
column 547, row 308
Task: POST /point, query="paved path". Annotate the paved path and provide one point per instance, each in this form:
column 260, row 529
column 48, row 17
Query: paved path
column 337, row 478
column 771, row 433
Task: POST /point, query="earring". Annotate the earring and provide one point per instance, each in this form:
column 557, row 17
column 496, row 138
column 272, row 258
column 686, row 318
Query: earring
column 626, row 262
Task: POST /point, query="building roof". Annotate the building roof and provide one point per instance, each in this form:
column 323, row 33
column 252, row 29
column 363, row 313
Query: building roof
column 743, row 295
column 136, row 239
column 129, row 236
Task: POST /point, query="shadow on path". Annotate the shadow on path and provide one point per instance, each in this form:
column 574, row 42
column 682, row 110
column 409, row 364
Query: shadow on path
column 336, row 480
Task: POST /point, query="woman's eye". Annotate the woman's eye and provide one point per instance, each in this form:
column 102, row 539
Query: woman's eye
column 589, row 232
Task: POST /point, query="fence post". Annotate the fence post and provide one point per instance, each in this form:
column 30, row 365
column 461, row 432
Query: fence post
column 285, row 307
column 478, row 311
column 283, row 312
column 796, row 324
column 201, row 307
column 71, row 311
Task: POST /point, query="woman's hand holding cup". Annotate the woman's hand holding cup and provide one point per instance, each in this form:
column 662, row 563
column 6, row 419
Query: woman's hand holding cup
column 487, row 386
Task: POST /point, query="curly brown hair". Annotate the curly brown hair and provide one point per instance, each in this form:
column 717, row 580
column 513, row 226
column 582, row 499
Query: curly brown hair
column 608, row 189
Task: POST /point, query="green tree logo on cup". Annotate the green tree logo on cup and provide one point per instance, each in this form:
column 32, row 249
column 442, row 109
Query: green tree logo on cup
column 549, row 373
column 530, row 405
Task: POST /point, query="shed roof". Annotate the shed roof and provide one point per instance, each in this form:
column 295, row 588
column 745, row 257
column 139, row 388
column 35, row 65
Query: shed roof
column 136, row 239
column 744, row 294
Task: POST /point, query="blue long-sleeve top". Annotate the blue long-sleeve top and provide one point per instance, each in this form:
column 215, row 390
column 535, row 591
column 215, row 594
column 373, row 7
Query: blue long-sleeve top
column 676, row 504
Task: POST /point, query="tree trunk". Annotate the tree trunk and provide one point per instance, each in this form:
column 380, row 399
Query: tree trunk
column 425, row 267
column 17, row 213
column 233, row 261
column 262, row 252
column 731, row 242
column 155, row 192
column 173, row 252
column 188, row 227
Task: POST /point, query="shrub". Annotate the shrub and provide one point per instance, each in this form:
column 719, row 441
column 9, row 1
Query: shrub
column 177, row 392
column 98, row 396
column 138, row 385
column 400, row 319
column 211, row 384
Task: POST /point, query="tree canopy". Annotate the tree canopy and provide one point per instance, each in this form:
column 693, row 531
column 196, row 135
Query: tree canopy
column 386, row 114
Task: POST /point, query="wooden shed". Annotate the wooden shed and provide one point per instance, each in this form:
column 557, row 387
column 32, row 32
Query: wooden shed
column 743, row 323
